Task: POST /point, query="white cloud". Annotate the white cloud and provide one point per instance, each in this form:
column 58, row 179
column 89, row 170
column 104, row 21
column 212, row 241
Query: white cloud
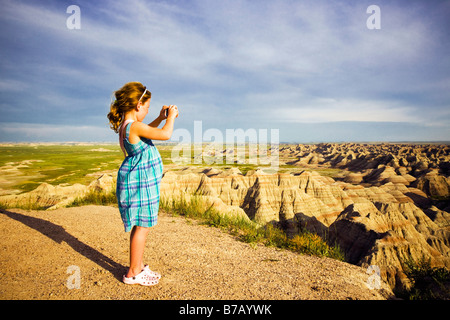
column 331, row 110
column 8, row 85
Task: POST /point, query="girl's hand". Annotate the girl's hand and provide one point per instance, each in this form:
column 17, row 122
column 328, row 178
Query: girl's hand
column 173, row 111
column 162, row 113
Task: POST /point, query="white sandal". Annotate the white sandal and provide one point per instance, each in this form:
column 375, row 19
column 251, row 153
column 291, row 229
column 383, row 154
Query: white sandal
column 142, row 278
column 153, row 274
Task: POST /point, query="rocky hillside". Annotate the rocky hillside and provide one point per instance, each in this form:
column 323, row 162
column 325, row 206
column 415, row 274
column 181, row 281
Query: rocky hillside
column 426, row 167
column 389, row 203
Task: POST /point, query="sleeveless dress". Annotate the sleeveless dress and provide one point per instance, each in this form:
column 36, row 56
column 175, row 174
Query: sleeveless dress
column 138, row 182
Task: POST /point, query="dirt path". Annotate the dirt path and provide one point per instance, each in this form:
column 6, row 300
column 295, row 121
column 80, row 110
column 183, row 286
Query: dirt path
column 196, row 261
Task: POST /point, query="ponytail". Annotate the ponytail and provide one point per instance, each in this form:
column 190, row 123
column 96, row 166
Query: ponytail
column 115, row 117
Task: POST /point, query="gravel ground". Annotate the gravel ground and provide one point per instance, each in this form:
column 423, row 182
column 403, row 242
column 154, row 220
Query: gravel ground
column 42, row 250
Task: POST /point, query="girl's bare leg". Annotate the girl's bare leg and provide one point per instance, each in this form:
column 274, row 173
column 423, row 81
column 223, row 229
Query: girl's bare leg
column 137, row 244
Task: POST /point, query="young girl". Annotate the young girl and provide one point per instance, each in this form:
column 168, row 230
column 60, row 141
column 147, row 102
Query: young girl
column 140, row 174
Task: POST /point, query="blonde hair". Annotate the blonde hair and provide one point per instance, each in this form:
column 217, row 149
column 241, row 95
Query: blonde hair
column 126, row 99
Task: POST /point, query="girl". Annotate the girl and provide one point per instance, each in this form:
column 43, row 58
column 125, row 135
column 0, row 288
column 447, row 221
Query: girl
column 140, row 174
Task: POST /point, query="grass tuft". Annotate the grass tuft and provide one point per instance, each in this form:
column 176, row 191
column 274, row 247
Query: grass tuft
column 94, row 197
column 25, row 205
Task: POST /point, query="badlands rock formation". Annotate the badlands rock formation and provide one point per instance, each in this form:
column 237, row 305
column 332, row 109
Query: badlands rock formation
column 426, row 167
column 380, row 226
column 387, row 203
column 53, row 197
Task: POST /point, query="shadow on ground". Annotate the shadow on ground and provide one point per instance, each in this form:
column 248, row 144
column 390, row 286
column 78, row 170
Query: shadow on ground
column 59, row 234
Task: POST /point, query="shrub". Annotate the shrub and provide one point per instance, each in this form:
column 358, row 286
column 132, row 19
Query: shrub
column 428, row 283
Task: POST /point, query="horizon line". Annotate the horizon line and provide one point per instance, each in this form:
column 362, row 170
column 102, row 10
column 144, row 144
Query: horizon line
column 247, row 142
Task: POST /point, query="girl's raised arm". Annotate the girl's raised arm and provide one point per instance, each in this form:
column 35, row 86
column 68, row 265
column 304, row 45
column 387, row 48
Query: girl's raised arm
column 154, row 133
column 155, row 123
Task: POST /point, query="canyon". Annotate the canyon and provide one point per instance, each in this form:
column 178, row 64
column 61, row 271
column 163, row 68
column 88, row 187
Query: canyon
column 389, row 203
column 382, row 204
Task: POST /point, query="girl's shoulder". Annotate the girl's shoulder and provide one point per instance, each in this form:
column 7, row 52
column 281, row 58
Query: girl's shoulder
column 126, row 125
column 134, row 129
column 136, row 126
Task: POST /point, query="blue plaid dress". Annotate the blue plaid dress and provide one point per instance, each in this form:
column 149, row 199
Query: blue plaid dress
column 138, row 182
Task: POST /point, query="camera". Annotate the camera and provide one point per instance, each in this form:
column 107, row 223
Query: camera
column 166, row 112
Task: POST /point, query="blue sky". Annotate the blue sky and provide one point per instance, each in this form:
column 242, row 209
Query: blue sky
column 311, row 69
